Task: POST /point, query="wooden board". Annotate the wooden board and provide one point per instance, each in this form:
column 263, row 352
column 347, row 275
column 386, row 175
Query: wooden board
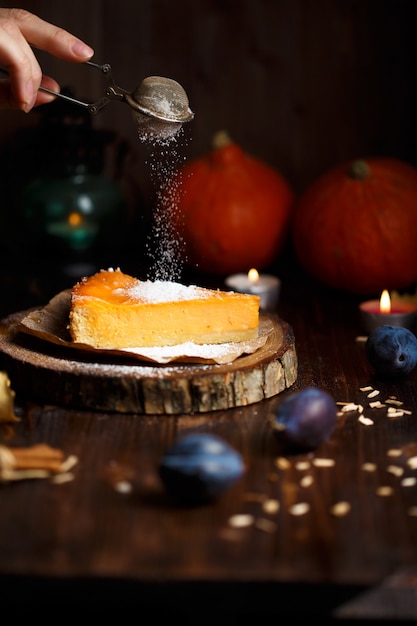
column 60, row 375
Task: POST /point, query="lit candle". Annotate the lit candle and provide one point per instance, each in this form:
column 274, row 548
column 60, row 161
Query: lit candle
column 375, row 313
column 75, row 231
column 266, row 286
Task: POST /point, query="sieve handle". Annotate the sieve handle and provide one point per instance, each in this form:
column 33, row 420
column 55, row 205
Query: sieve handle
column 112, row 92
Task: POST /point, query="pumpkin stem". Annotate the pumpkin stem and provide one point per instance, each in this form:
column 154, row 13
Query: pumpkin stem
column 221, row 139
column 359, row 170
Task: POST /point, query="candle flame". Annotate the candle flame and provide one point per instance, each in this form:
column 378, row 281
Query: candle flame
column 253, row 275
column 385, row 302
column 74, row 219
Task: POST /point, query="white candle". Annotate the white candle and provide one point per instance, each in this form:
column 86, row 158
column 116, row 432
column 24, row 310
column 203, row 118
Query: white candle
column 266, row 286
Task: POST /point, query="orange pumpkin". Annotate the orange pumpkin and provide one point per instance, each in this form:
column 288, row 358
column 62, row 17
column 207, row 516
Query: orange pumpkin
column 355, row 228
column 233, row 210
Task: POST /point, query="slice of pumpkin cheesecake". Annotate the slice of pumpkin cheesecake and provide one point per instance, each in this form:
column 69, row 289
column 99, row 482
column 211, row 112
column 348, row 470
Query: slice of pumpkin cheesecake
column 112, row 310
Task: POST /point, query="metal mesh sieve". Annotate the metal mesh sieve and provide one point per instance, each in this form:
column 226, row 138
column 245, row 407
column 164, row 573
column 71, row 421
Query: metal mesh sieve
column 159, row 107
column 162, row 98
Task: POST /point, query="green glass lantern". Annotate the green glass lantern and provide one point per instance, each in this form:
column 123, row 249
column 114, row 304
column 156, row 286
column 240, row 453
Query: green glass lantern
column 68, row 204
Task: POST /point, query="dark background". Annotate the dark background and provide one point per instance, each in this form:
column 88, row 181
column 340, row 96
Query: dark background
column 301, row 84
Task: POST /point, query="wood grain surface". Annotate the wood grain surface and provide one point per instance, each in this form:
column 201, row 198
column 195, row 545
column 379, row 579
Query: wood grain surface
column 335, row 525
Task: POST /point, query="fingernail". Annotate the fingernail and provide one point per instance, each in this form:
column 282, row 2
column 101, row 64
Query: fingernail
column 82, row 50
column 30, row 97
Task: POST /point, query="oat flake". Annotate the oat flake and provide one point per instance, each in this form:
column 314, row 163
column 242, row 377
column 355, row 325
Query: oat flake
column 351, row 406
column 340, row 508
column 241, row 520
column 301, row 508
column 365, row 420
column 369, row 467
column 282, row 463
column 302, row 465
column 396, row 470
column 393, row 452
column 123, row 486
column 393, row 401
column 376, row 405
column 408, row 481
column 384, row 490
column 271, row 506
column 391, row 412
column 412, row 462
column 324, row 462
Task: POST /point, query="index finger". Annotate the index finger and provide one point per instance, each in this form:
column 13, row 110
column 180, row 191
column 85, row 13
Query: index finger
column 49, row 37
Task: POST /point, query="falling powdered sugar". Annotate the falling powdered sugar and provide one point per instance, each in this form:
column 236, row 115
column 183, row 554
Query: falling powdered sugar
column 154, row 130
column 165, row 243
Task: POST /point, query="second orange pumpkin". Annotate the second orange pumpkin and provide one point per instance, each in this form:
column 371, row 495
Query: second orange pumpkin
column 355, row 228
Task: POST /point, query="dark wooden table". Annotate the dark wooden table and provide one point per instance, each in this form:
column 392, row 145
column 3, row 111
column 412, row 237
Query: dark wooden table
column 86, row 543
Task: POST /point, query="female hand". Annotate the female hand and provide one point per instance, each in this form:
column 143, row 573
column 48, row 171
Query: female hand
column 20, row 29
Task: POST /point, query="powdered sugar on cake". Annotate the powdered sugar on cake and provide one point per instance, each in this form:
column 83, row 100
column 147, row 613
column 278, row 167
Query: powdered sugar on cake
column 159, row 291
column 164, row 291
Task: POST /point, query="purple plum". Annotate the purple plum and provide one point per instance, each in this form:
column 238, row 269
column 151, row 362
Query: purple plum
column 199, row 467
column 392, row 350
column 305, row 419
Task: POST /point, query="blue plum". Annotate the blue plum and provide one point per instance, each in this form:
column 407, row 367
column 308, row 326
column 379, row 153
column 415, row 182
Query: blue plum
column 200, row 467
column 305, row 419
column 392, row 350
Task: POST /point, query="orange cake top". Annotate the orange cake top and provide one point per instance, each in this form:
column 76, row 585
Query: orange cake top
column 118, row 288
